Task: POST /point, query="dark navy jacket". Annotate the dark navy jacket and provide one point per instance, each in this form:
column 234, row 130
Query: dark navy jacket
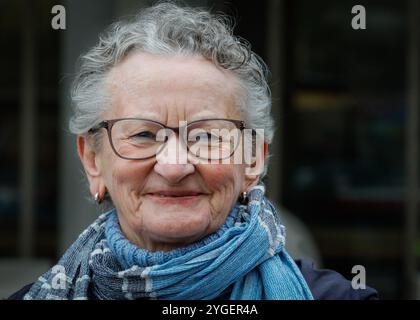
column 324, row 285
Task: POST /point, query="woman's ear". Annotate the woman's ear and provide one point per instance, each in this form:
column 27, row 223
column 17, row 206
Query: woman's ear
column 91, row 163
column 254, row 170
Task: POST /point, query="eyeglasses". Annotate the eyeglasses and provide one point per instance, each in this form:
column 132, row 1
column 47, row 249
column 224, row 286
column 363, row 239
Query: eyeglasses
column 140, row 139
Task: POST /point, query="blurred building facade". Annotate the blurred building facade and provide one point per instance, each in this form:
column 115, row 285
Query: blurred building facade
column 345, row 158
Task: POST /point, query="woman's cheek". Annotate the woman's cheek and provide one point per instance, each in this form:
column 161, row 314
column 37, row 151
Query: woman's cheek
column 126, row 183
column 217, row 176
column 224, row 183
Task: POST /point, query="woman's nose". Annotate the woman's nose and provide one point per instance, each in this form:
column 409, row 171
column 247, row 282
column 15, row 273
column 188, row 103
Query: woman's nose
column 172, row 161
column 174, row 173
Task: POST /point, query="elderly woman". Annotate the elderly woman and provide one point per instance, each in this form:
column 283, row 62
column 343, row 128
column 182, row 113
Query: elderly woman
column 162, row 105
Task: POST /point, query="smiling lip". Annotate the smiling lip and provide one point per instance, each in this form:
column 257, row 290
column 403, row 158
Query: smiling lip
column 175, row 197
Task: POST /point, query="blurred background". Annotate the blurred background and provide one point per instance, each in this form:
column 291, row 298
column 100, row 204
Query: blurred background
column 345, row 164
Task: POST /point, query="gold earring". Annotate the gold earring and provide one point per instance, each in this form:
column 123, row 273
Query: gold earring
column 97, row 199
column 243, row 198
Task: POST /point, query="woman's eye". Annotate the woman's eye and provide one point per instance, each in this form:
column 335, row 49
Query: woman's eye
column 207, row 137
column 145, row 135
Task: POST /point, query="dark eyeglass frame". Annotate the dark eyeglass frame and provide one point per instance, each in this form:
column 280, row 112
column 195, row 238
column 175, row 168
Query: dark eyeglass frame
column 108, row 124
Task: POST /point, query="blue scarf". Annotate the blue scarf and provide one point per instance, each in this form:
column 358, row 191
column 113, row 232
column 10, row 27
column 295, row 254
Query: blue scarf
column 245, row 258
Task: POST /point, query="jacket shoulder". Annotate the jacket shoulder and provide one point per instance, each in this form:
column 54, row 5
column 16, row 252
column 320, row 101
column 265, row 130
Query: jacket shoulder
column 330, row 285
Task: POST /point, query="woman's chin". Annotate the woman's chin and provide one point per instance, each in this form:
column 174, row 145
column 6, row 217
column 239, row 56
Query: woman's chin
column 172, row 228
column 175, row 223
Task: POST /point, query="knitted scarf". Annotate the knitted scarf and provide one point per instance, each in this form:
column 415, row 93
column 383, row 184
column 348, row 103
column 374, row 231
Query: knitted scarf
column 246, row 256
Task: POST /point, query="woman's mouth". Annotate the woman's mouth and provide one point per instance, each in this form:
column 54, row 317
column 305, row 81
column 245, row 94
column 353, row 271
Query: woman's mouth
column 175, row 197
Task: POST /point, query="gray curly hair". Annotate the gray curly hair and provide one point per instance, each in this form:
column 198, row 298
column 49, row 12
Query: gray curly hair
column 169, row 29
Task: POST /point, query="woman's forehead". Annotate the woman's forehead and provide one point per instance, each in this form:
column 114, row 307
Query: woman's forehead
column 144, row 83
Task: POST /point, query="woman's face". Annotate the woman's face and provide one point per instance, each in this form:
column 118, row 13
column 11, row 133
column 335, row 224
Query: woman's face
column 164, row 205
